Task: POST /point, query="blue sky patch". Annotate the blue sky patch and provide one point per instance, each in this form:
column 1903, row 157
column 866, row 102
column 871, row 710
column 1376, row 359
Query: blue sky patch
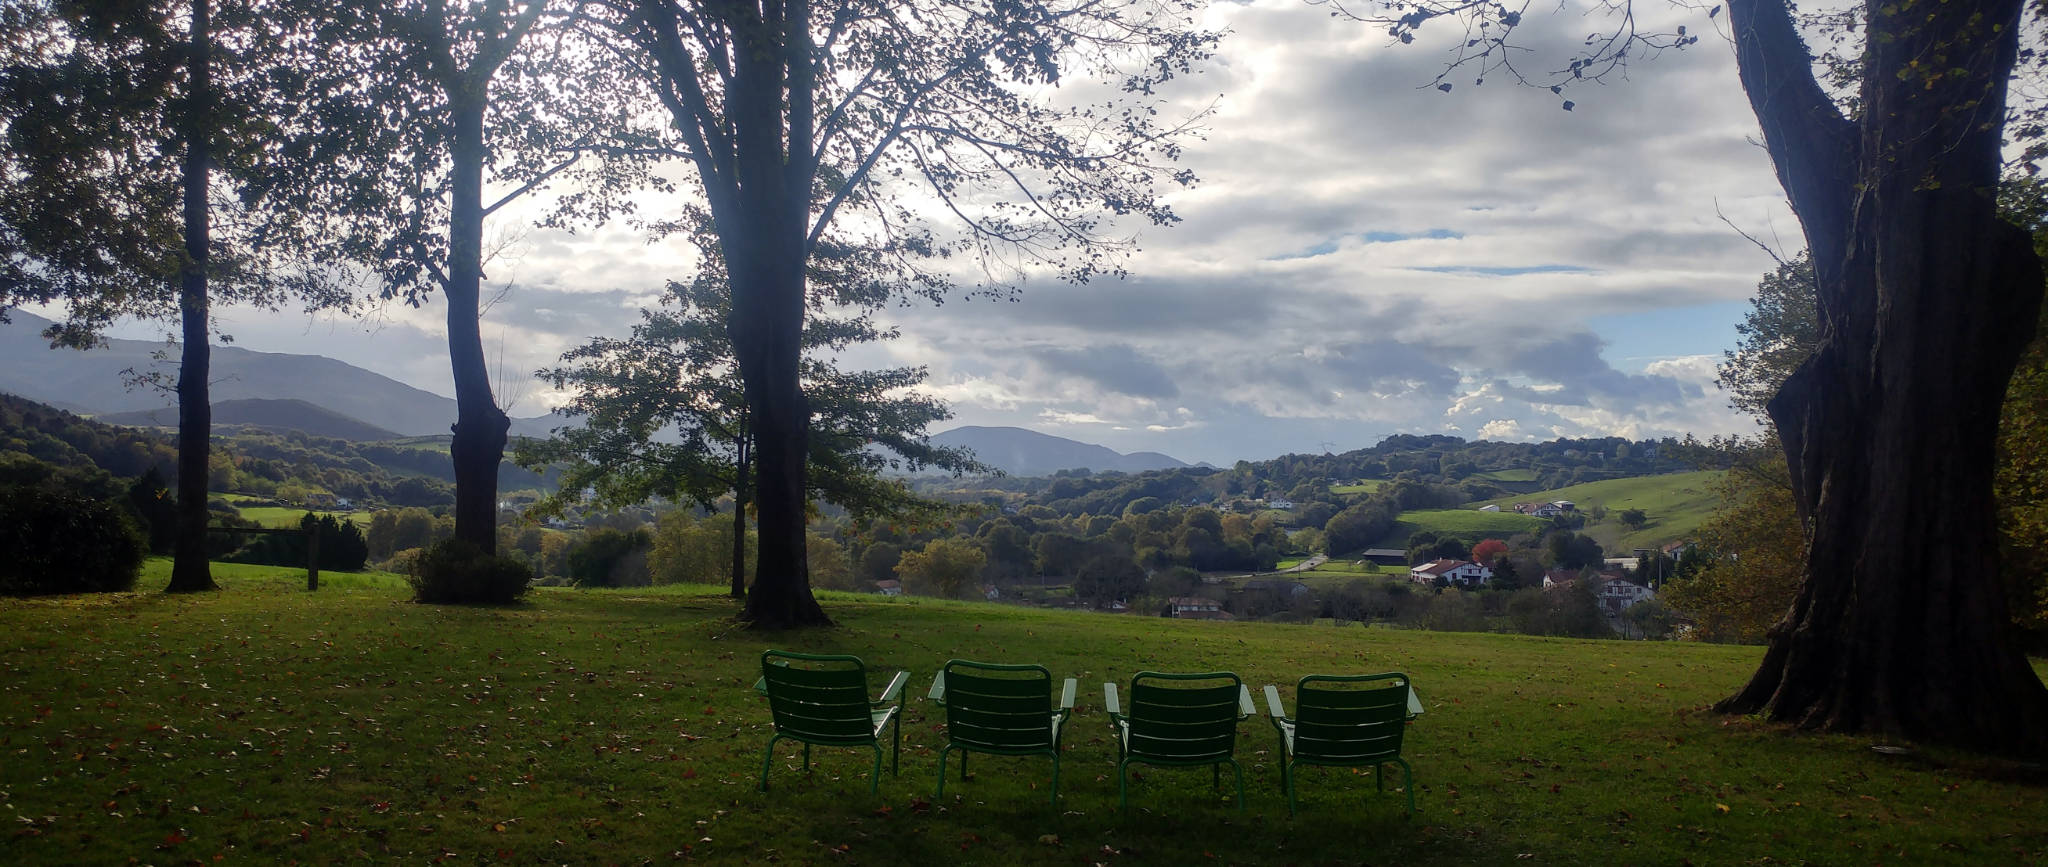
column 1374, row 237
column 1636, row 339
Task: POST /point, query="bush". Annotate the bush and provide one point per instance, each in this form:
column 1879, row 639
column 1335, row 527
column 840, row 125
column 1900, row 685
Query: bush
column 609, row 558
column 342, row 548
column 61, row 542
column 402, row 562
column 454, row 571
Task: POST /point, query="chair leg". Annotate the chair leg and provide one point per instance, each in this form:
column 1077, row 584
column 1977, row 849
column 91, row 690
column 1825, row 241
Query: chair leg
column 896, row 745
column 963, row 766
column 1238, row 769
column 942, row 772
column 1055, row 779
column 768, row 761
column 1287, row 784
column 807, row 757
column 875, row 776
column 1408, row 783
column 1123, row 796
column 1215, row 775
column 1379, row 777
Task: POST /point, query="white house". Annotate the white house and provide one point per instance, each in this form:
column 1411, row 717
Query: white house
column 1281, row 503
column 889, row 587
column 1460, row 572
column 1197, row 608
column 1618, row 594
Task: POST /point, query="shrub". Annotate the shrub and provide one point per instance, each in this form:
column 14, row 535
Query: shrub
column 401, row 562
column 342, row 548
column 454, row 571
column 605, row 558
column 61, row 542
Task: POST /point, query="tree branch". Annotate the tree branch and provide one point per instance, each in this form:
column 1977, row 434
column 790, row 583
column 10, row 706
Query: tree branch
column 1812, row 146
column 530, row 185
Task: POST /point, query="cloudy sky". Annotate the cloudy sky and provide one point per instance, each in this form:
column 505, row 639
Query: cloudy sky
column 1364, row 255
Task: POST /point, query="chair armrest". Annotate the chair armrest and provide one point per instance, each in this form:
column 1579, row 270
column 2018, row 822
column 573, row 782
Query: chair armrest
column 1109, row 702
column 1414, row 702
column 894, row 691
column 1245, row 708
column 1067, row 696
column 938, row 691
column 1273, row 703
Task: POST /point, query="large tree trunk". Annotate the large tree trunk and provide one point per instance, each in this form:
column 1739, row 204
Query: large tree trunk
column 772, row 217
column 1901, row 627
column 757, row 167
column 480, row 427
column 189, row 569
column 741, row 470
column 766, row 324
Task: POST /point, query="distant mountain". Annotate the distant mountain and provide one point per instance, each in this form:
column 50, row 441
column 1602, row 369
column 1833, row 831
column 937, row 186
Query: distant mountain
column 1021, row 452
column 277, row 415
column 94, row 382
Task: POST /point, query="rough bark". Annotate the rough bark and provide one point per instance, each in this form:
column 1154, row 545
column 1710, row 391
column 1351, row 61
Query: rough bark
column 766, row 328
column 480, row 427
column 740, row 471
column 189, row 569
column 1901, row 627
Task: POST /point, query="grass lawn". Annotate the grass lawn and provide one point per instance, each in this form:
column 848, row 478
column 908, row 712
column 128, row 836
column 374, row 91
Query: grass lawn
column 266, row 724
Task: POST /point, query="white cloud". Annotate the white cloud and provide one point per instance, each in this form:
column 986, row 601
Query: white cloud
column 1364, row 256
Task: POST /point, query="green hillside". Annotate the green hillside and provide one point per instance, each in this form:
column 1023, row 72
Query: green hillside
column 1468, row 524
column 1677, row 503
column 266, row 724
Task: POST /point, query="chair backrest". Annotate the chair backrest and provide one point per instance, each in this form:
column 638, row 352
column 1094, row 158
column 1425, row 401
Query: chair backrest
column 1184, row 717
column 1350, row 718
column 999, row 707
column 818, row 697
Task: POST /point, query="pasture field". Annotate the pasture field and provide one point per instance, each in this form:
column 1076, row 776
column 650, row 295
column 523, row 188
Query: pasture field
column 1676, row 503
column 265, row 724
column 282, row 516
column 1468, row 524
column 1518, row 474
column 1364, row 486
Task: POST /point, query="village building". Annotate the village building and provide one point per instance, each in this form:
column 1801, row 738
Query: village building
column 1460, row 573
column 1617, row 595
column 1196, row 608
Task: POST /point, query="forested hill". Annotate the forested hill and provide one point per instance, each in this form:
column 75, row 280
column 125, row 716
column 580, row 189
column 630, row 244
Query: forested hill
column 97, row 381
column 278, row 416
column 248, row 460
column 1021, row 452
column 1417, row 472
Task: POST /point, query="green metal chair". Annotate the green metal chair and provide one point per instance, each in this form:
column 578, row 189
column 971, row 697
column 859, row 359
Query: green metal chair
column 1002, row 710
column 1179, row 720
column 1346, row 721
column 823, row 699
